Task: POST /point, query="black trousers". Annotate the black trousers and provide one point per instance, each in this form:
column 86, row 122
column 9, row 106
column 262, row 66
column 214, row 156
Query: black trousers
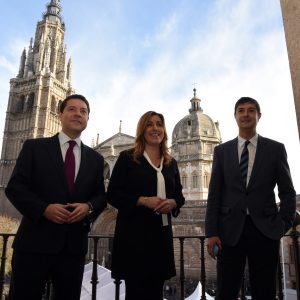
column 144, row 288
column 262, row 254
column 31, row 271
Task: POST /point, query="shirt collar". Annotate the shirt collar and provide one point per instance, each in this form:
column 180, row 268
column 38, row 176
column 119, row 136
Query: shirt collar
column 63, row 139
column 253, row 141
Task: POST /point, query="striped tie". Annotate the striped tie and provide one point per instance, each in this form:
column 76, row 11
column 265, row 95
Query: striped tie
column 244, row 162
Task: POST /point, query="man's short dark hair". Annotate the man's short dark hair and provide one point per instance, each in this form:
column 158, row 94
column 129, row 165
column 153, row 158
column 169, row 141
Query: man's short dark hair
column 247, row 100
column 75, row 96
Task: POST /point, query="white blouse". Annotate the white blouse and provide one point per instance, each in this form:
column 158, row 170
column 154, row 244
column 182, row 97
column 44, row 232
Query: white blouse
column 161, row 188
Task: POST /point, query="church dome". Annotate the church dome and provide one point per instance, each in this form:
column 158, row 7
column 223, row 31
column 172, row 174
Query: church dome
column 196, row 125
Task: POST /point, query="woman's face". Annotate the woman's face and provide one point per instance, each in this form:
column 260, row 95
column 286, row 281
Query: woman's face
column 154, row 132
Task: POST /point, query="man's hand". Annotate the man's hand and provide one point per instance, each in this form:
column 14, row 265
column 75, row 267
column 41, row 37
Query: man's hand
column 57, row 213
column 211, row 242
column 79, row 212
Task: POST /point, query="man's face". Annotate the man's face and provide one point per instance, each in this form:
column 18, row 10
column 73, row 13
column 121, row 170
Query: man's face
column 247, row 116
column 74, row 118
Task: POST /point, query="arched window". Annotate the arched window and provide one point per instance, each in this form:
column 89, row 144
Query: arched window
column 53, row 104
column 106, row 172
column 195, row 181
column 29, row 102
column 20, row 104
column 58, row 106
column 205, row 180
column 183, row 181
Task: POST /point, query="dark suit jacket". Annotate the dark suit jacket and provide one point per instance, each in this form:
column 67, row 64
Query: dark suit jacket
column 229, row 199
column 142, row 246
column 39, row 180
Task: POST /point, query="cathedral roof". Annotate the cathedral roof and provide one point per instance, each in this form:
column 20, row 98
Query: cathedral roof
column 196, row 125
column 117, row 140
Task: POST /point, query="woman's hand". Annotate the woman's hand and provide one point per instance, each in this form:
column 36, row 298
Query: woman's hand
column 157, row 204
column 150, row 202
column 165, row 206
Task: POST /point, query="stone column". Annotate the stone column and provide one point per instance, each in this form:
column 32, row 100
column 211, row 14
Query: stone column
column 291, row 20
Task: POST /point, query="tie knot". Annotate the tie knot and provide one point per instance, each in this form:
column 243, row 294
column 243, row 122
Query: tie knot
column 247, row 143
column 71, row 144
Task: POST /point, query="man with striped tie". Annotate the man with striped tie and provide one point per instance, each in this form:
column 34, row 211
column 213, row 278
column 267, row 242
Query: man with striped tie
column 243, row 221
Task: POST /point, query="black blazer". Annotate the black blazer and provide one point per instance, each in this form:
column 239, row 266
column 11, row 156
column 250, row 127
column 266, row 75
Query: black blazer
column 228, row 198
column 142, row 246
column 39, row 180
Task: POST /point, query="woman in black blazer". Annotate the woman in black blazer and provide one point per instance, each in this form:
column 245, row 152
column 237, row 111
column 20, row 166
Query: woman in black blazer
column 145, row 188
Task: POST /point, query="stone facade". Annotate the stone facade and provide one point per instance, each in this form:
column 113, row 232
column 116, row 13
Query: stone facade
column 291, row 20
column 43, row 81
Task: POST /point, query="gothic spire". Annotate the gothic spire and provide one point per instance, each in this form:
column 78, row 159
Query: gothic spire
column 29, row 67
column 22, row 64
column 69, row 70
column 53, row 12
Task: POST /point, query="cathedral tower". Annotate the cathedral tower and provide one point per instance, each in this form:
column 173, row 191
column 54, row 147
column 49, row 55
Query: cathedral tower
column 43, row 81
column 193, row 140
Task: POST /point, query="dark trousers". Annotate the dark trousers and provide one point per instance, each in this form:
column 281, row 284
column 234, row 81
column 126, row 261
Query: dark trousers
column 262, row 254
column 31, row 271
column 144, row 288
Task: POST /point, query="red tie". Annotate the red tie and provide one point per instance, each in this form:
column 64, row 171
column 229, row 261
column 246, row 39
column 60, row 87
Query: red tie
column 70, row 165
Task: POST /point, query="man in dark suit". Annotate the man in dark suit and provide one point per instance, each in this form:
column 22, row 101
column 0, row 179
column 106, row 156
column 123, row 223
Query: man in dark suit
column 242, row 218
column 57, row 185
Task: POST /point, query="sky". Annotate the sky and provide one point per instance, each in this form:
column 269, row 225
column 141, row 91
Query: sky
column 131, row 56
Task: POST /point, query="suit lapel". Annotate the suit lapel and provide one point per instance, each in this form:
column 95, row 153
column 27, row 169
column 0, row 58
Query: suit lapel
column 55, row 155
column 234, row 156
column 54, row 152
